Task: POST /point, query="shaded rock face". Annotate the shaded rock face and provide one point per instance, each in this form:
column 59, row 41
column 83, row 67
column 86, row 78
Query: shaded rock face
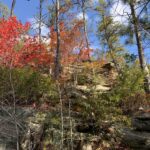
column 8, row 131
column 24, row 127
column 32, row 137
column 142, row 122
column 137, row 140
column 139, row 137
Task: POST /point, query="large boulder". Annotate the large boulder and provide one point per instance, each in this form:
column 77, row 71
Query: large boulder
column 11, row 125
column 142, row 122
column 26, row 125
column 137, row 140
column 138, row 137
column 34, row 132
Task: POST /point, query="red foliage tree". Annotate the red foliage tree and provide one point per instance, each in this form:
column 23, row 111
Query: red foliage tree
column 72, row 43
column 17, row 49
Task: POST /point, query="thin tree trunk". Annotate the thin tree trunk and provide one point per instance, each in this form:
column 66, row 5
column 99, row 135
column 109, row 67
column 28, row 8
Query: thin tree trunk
column 40, row 20
column 61, row 115
column 143, row 64
column 58, row 56
column 12, row 7
column 85, row 27
column 14, row 105
column 71, row 130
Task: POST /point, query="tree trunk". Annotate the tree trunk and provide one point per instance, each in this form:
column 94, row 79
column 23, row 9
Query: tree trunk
column 58, row 56
column 84, row 22
column 40, row 21
column 12, row 7
column 85, row 27
column 143, row 64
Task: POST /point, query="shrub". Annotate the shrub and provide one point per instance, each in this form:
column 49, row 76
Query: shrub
column 128, row 87
column 26, row 84
column 128, row 84
column 131, row 104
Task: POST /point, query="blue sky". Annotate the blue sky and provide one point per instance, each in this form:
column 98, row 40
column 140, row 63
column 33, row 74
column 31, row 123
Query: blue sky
column 26, row 10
